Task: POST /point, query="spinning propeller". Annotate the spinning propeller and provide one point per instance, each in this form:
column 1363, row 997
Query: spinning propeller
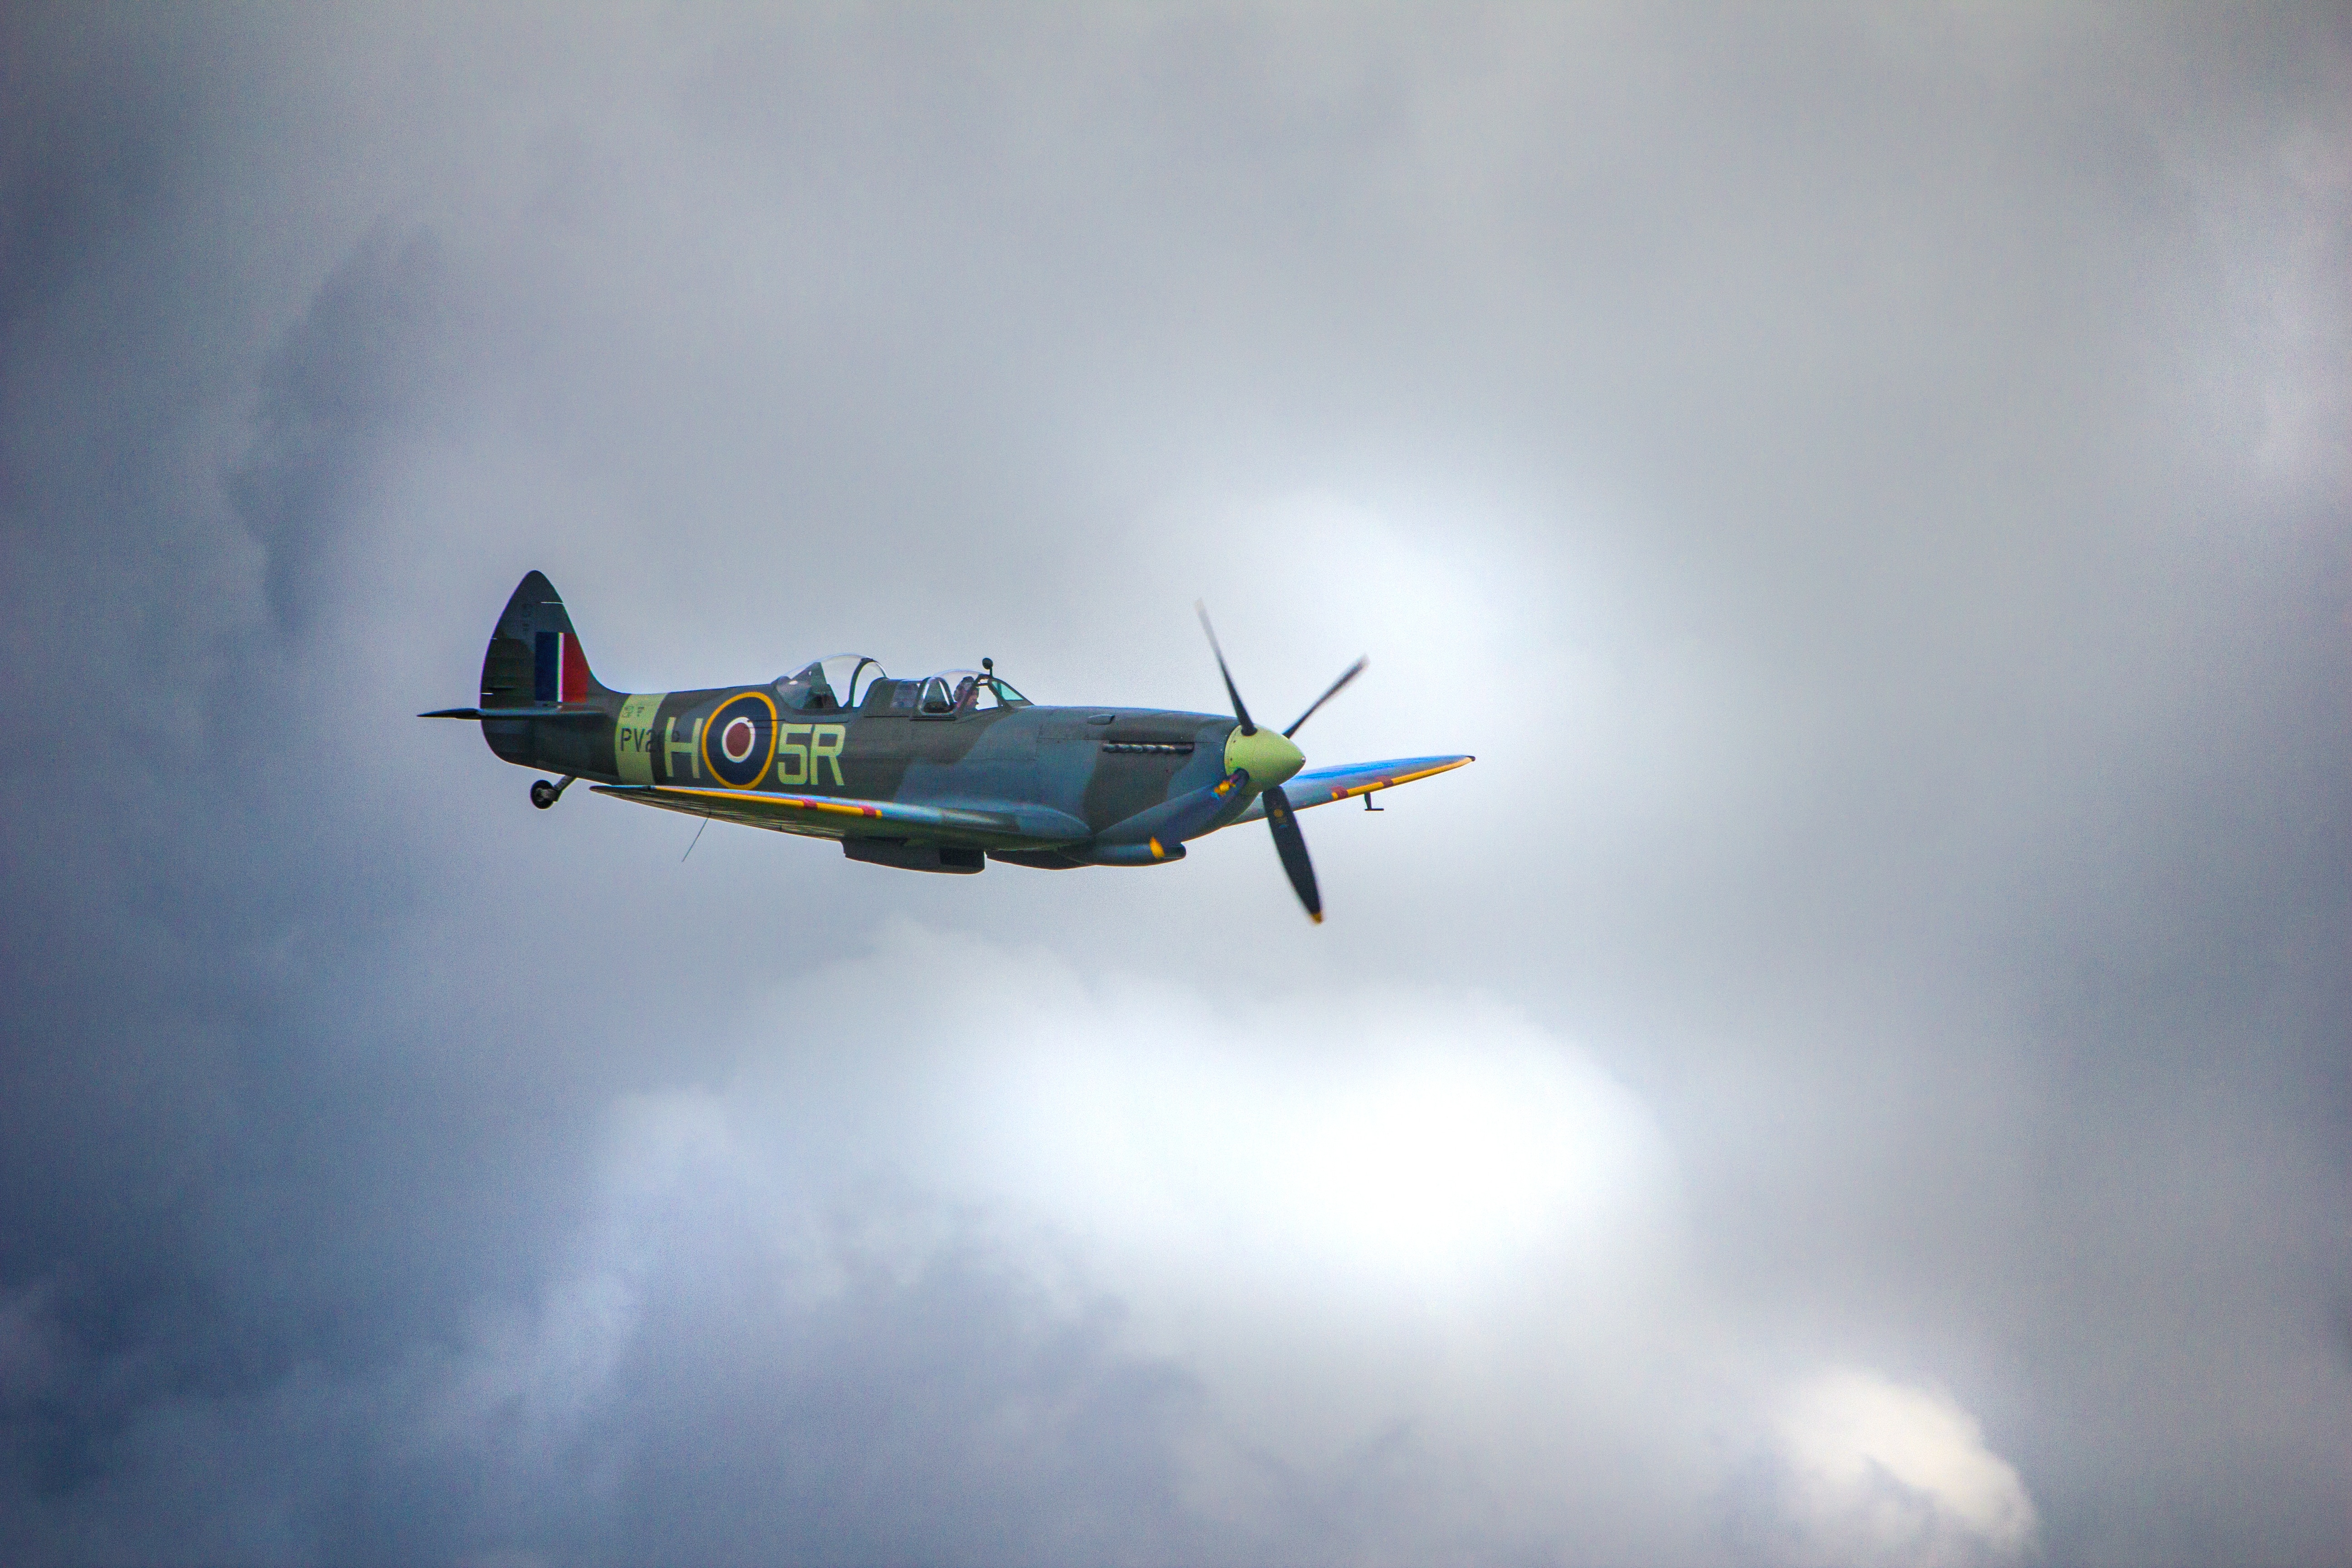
column 1271, row 757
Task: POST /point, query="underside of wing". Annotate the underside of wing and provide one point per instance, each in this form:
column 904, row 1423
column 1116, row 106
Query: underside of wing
column 979, row 827
column 1324, row 786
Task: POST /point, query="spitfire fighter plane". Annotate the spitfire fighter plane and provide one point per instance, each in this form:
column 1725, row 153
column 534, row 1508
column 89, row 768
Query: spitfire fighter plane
column 944, row 773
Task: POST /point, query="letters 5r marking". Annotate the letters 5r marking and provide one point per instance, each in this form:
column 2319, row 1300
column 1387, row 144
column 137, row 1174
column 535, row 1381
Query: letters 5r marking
column 804, row 763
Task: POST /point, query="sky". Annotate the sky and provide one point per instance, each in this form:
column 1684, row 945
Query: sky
column 1856, row 1072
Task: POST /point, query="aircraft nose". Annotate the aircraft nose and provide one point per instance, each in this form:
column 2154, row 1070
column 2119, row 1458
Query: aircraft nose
column 1267, row 755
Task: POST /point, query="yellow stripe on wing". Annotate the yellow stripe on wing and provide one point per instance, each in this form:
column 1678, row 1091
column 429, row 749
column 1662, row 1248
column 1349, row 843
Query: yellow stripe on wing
column 1396, row 779
column 797, row 802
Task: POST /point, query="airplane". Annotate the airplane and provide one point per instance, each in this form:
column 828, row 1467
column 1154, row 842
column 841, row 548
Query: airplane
column 944, row 772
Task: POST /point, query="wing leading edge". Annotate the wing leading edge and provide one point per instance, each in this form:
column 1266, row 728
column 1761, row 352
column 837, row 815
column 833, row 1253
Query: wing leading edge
column 1321, row 786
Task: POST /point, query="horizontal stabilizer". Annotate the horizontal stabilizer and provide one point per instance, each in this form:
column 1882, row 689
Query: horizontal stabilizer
column 495, row 714
column 1324, row 786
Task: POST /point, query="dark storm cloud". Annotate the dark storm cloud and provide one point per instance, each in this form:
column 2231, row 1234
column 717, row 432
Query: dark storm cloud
column 1873, row 490
column 170, row 1107
column 356, row 367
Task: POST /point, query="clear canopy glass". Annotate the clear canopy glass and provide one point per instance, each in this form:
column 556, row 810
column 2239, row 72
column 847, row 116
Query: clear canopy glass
column 831, row 684
column 843, row 680
column 966, row 691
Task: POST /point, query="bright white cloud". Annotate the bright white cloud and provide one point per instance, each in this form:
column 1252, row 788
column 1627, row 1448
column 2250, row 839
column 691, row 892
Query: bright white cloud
column 1884, row 1472
column 1410, row 1141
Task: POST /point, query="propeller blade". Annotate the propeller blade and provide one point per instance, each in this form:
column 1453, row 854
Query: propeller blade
column 1240, row 712
column 1354, row 670
column 1291, row 844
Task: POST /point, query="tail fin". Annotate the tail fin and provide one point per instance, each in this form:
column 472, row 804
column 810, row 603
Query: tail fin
column 535, row 658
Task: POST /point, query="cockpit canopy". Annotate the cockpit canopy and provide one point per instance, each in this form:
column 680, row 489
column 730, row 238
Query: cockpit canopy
column 832, row 683
column 957, row 691
column 844, row 680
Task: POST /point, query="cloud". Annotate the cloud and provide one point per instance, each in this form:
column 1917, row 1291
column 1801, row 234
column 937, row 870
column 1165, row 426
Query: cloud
column 1879, row 1472
column 1362, row 1278
column 1433, row 1134
column 1279, row 1197
column 353, row 372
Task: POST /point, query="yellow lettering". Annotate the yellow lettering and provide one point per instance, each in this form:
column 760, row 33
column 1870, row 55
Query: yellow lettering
column 791, row 757
column 825, row 747
column 633, row 737
column 672, row 746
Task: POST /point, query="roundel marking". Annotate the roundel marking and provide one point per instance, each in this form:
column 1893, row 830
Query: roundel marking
column 740, row 738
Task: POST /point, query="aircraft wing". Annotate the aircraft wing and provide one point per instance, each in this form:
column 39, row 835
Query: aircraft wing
column 1323, row 785
column 982, row 826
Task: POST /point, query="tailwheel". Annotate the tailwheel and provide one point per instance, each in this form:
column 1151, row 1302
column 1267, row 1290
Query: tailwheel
column 545, row 795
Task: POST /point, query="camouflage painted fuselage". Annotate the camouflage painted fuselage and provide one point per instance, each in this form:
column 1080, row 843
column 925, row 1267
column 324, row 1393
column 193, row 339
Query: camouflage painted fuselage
column 1056, row 776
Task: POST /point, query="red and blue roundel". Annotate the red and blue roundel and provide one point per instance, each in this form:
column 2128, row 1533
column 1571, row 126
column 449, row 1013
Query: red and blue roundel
column 740, row 738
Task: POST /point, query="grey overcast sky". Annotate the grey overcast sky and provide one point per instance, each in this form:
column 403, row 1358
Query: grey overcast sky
column 1856, row 1073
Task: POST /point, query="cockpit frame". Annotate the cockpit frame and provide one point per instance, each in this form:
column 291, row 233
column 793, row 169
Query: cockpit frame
column 818, row 686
